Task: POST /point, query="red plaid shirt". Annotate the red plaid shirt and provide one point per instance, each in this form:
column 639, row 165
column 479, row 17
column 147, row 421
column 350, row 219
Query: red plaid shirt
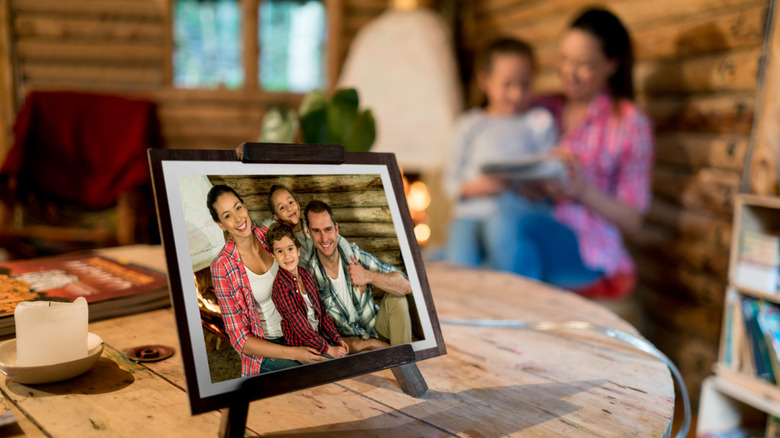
column 234, row 294
column 291, row 305
column 614, row 147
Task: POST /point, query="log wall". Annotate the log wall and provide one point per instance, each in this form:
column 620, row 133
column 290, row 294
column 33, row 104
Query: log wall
column 124, row 46
column 358, row 202
column 697, row 78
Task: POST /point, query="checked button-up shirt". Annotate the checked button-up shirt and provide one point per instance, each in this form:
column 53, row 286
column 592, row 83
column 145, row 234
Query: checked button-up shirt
column 291, row 305
column 364, row 326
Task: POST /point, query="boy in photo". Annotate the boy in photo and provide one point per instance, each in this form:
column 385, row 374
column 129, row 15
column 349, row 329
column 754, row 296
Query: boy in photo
column 304, row 320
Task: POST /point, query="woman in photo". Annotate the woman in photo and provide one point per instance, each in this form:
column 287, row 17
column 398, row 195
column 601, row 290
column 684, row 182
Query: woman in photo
column 243, row 274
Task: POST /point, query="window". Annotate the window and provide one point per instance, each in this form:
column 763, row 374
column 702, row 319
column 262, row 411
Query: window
column 209, row 49
column 292, row 36
column 207, row 36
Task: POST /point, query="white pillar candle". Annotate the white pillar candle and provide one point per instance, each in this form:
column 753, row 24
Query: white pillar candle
column 50, row 332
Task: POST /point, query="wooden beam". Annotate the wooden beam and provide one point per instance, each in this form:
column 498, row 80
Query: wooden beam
column 74, row 52
column 7, row 80
column 707, row 189
column 697, row 225
column 732, row 71
column 730, row 113
column 762, row 165
column 334, row 10
column 697, row 151
column 134, row 9
column 249, row 34
column 87, row 76
column 89, row 28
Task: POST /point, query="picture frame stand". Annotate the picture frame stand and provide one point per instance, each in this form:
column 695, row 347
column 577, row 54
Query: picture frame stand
column 407, row 374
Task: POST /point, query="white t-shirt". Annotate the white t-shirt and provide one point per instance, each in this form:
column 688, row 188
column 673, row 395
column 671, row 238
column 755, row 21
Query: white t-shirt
column 262, row 285
column 310, row 314
column 480, row 138
column 343, row 293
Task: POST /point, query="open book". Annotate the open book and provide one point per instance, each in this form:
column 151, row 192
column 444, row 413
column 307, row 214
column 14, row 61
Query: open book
column 111, row 287
column 532, row 167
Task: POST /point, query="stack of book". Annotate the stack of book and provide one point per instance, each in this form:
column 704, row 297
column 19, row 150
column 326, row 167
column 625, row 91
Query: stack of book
column 758, row 262
column 112, row 288
column 761, row 353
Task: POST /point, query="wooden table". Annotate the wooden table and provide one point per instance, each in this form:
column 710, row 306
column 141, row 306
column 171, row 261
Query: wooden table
column 492, row 382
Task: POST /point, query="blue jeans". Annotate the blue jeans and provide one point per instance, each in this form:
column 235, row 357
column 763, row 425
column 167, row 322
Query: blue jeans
column 547, row 250
column 269, row 364
column 491, row 242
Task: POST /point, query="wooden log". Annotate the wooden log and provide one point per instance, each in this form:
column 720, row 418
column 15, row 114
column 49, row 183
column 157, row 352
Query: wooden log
column 184, row 142
column 335, row 43
column 240, row 132
column 391, row 258
column 700, row 35
column 666, row 308
column 356, row 199
column 373, row 214
column 670, row 271
column 763, row 167
column 353, row 23
column 208, row 110
column 721, row 113
column 696, row 225
column 544, row 20
column 365, row 6
column 319, row 183
column 182, row 98
column 732, row 71
column 668, row 248
column 376, row 244
column 88, row 76
column 251, row 45
column 367, row 230
column 135, row 53
column 697, row 151
column 707, row 189
column 148, row 10
column 89, row 28
column 703, row 34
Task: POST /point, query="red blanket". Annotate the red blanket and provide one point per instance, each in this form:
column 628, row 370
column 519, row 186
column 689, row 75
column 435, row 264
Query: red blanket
column 82, row 149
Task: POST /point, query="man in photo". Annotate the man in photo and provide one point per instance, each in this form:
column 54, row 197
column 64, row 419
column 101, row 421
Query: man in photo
column 345, row 285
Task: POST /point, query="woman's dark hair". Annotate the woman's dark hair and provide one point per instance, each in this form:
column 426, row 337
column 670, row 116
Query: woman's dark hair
column 277, row 231
column 214, row 194
column 275, row 188
column 616, row 45
column 504, row 46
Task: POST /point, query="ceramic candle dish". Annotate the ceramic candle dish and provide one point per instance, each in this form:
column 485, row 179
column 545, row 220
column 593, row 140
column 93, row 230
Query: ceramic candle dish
column 48, row 373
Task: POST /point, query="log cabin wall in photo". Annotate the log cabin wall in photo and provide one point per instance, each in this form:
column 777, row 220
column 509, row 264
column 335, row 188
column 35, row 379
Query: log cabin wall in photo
column 125, row 47
column 697, row 78
column 359, row 205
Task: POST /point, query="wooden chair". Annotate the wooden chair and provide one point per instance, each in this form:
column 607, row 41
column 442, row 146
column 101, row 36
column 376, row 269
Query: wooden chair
column 77, row 175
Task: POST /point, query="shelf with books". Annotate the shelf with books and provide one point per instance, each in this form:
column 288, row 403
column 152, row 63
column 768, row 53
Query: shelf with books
column 744, row 390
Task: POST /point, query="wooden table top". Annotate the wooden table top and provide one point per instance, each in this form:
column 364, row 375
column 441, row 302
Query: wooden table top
column 492, row 382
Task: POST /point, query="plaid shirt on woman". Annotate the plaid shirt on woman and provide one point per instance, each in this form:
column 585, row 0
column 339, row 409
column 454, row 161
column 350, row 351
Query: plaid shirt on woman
column 613, row 145
column 291, row 305
column 364, row 327
column 234, row 295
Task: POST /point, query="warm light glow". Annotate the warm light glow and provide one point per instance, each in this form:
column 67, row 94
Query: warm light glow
column 422, row 232
column 419, row 199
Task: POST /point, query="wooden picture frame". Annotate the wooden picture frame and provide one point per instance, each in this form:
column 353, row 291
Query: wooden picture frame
column 285, row 162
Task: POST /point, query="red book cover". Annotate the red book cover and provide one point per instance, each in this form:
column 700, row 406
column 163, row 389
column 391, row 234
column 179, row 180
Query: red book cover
column 104, row 282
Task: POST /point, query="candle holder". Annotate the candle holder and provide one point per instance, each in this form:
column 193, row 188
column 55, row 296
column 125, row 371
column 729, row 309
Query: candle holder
column 48, row 373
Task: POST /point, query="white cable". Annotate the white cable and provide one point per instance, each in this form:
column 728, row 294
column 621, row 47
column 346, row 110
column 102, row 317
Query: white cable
column 638, row 343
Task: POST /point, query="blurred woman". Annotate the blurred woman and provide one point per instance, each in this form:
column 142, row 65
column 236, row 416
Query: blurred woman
column 607, row 143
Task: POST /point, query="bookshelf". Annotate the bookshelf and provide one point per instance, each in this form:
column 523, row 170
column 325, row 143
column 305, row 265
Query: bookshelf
column 736, row 397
